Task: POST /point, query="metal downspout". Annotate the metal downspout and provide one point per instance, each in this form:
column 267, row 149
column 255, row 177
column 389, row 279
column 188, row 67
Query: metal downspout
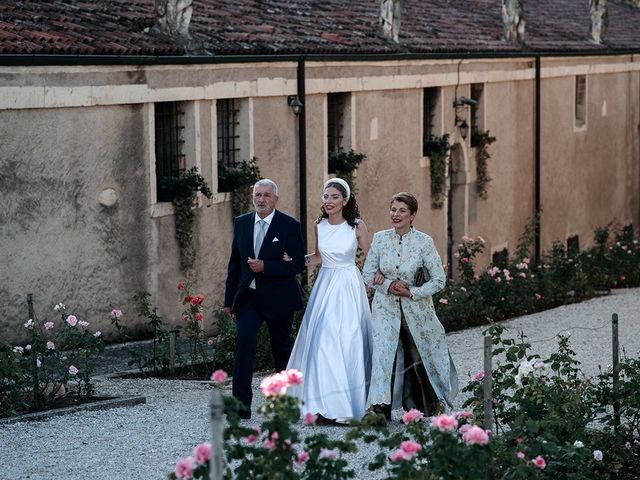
column 302, row 150
column 536, row 148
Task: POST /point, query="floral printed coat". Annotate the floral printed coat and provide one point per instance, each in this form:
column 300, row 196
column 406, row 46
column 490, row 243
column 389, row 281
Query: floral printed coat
column 399, row 258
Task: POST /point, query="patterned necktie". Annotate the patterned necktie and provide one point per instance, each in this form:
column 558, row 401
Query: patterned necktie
column 259, row 236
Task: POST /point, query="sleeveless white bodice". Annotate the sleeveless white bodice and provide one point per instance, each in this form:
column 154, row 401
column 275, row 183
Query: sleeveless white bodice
column 337, row 244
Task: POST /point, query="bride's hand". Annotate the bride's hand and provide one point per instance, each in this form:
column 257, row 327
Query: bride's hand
column 378, row 278
column 286, row 257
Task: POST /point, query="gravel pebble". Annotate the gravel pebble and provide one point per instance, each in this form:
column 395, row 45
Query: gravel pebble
column 144, row 441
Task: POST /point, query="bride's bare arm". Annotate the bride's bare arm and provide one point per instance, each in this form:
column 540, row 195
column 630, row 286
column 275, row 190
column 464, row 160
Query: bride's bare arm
column 313, row 258
column 362, row 234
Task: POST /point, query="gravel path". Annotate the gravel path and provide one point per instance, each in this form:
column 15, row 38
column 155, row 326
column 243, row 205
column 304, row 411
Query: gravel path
column 143, row 442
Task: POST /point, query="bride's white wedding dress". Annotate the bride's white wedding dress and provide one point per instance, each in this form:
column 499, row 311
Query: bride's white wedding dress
column 332, row 347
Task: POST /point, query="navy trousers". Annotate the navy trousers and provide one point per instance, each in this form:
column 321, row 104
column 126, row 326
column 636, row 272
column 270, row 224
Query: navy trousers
column 249, row 317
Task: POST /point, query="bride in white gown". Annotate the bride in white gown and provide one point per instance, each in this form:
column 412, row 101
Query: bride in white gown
column 332, row 348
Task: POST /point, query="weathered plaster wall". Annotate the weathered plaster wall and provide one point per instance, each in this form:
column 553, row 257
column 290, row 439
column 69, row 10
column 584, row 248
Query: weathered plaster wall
column 69, row 133
column 589, row 175
column 502, row 216
column 58, row 242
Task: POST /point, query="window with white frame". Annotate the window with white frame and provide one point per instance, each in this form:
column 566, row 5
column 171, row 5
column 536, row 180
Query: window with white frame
column 338, row 123
column 430, row 115
column 233, row 134
column 228, row 119
column 477, row 112
column 169, row 119
column 580, row 101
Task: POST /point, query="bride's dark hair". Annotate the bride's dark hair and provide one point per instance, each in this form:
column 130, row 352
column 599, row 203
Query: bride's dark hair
column 350, row 212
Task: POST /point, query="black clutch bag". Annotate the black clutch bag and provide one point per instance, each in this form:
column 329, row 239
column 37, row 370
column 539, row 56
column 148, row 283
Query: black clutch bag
column 421, row 277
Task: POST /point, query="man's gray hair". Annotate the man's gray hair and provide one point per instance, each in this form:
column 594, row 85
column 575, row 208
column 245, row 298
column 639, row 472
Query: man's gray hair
column 265, row 182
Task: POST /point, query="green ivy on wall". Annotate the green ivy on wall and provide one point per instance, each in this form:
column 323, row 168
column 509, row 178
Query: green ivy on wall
column 344, row 164
column 437, row 149
column 239, row 179
column 482, row 140
column 184, row 189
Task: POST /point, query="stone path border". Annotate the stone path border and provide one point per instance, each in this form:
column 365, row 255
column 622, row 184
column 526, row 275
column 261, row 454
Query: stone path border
column 85, row 407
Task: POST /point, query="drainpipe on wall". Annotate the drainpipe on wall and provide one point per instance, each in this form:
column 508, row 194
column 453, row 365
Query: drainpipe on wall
column 302, row 151
column 536, row 155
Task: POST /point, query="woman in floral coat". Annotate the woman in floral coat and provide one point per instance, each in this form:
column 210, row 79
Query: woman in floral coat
column 411, row 363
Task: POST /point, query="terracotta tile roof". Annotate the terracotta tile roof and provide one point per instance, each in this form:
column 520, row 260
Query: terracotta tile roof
column 260, row 27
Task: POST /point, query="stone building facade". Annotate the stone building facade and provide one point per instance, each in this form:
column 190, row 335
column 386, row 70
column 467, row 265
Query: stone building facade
column 83, row 220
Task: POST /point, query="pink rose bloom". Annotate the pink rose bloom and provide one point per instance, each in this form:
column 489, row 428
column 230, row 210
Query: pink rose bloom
column 116, row 313
column 48, row 325
column 197, row 300
column 492, row 272
column 475, row 435
column 97, row 334
column 444, row 301
column 302, row 457
column 274, row 385
column 479, row 376
column 410, row 446
column 627, row 445
column 181, row 285
column 210, row 342
column 328, row 454
column 539, row 462
column 72, row 320
column 464, row 428
column 199, row 317
column 520, row 455
column 444, row 422
column 309, row 418
column 464, row 414
column 400, row 455
column 270, row 443
column 413, row 415
column 83, row 323
column 498, row 280
column 50, row 345
column 202, row 453
column 184, row 468
column 538, row 296
column 73, row 370
column 294, row 377
column 252, row 438
column 219, row 376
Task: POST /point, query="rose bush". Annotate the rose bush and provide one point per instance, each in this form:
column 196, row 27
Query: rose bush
column 57, row 363
column 550, row 422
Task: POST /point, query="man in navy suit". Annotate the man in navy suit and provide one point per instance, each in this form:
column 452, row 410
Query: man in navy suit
column 261, row 285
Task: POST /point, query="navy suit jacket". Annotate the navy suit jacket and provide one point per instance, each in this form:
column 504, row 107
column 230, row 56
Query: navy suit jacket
column 277, row 288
